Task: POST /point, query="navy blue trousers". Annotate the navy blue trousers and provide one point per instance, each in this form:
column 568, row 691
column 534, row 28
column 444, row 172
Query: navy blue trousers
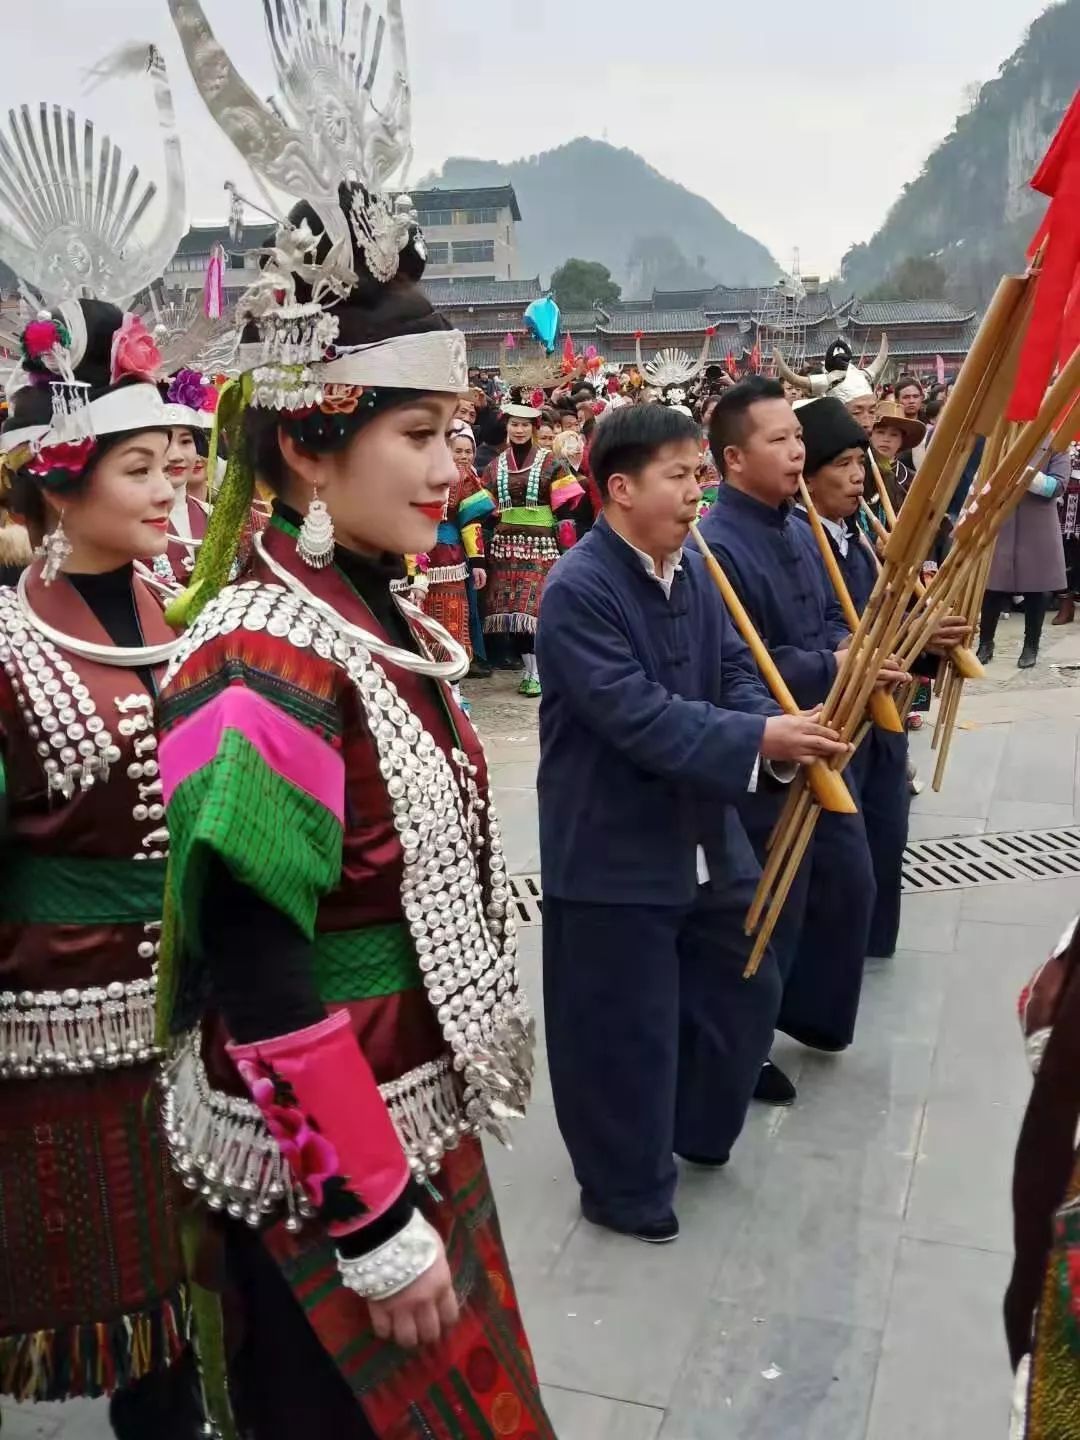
column 654, row 1041
column 821, row 937
column 880, row 769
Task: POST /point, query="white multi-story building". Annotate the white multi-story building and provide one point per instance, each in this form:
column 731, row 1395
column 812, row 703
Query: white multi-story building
column 470, row 234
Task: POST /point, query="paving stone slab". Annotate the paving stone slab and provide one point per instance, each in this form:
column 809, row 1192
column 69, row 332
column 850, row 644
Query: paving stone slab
column 759, row 1375
column 575, row 1416
column 944, row 1371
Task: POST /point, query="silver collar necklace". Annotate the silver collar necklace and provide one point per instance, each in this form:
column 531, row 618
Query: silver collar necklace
column 452, row 669
column 127, row 657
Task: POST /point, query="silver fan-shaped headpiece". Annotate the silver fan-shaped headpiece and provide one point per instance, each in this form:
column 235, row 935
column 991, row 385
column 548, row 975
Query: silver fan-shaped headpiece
column 76, row 221
column 342, row 114
column 341, row 117
column 671, row 367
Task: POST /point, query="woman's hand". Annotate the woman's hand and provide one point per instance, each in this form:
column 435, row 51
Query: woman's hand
column 422, row 1313
column 479, row 578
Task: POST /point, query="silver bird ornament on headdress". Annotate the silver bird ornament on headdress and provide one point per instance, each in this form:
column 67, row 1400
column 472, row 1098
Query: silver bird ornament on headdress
column 73, row 224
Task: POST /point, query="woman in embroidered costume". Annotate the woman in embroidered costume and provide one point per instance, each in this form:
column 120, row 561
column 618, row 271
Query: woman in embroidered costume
column 458, row 554
column 531, row 489
column 92, row 1299
column 331, row 817
column 190, row 404
column 91, row 1295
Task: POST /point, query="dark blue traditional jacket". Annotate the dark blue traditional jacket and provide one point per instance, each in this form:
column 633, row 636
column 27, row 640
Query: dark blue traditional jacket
column 772, row 560
column 858, row 566
column 650, row 727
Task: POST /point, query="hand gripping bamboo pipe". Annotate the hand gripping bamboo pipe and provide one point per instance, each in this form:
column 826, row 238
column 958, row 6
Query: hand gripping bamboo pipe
column 827, row 785
column 882, row 706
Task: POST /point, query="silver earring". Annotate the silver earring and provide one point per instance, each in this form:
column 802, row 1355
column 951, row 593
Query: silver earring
column 315, row 544
column 56, row 549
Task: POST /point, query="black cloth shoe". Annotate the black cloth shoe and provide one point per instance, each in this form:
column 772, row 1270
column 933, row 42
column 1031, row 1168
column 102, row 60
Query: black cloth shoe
column 479, row 671
column 773, row 1086
column 1028, row 656
column 703, row 1162
column 652, row 1232
column 985, row 653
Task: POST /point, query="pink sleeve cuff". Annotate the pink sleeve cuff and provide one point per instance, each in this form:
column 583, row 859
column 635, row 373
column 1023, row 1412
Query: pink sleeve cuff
column 321, row 1104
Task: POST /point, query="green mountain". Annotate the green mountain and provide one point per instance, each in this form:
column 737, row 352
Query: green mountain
column 971, row 208
column 591, row 200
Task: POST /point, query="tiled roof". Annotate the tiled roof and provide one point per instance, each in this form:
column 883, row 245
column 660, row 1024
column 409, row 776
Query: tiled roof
column 446, row 290
column 484, row 197
column 581, row 319
column 908, row 312
column 487, row 324
column 656, row 322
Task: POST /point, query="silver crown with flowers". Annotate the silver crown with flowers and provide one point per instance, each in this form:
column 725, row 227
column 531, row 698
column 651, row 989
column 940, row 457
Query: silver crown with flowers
column 341, row 117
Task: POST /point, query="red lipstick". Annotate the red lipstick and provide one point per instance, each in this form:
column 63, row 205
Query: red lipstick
column 433, row 511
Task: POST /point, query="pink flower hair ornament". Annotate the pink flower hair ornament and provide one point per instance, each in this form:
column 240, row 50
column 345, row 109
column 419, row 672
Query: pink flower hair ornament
column 134, row 351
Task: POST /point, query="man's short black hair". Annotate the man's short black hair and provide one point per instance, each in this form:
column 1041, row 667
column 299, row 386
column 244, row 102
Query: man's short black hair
column 628, row 438
column 905, row 381
column 730, row 420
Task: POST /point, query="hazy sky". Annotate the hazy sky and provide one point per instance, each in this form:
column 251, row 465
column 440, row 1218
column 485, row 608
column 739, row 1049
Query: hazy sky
column 800, row 122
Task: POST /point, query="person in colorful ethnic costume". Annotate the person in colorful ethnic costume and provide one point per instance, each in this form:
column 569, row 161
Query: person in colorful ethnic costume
column 531, row 490
column 457, row 558
column 1042, row 1302
column 190, row 402
column 92, row 1299
column 331, row 815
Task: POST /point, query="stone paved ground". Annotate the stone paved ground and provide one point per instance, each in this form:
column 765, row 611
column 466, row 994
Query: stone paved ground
column 843, row 1279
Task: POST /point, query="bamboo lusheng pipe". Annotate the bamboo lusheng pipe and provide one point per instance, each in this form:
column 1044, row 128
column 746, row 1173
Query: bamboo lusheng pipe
column 803, row 836
column 798, row 802
column 882, row 706
column 962, row 657
column 994, row 500
column 826, row 784
column 927, row 502
column 883, row 494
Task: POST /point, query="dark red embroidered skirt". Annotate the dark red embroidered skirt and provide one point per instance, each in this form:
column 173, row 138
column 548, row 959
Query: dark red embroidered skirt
column 90, row 1267
column 480, row 1381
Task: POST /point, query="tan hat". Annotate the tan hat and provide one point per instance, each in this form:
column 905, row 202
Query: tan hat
column 890, row 413
column 520, row 412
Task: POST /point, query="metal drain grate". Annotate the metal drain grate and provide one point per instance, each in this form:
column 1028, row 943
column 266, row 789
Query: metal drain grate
column 960, row 862
column 527, row 899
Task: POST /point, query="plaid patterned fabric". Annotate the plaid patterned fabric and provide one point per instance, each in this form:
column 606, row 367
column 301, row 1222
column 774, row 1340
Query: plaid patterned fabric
column 479, row 1383
column 274, row 838
column 353, row 965
column 90, row 1268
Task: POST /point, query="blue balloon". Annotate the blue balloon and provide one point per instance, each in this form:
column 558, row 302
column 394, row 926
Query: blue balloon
column 542, row 322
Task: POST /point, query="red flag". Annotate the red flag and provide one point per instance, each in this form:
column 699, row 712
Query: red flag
column 755, row 358
column 940, row 363
column 1054, row 331
column 729, row 363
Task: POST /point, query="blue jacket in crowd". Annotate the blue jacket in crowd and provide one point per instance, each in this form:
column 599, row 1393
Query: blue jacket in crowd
column 650, row 728
column 772, row 560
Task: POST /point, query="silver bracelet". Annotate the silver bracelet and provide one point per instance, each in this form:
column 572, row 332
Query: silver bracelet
column 395, row 1265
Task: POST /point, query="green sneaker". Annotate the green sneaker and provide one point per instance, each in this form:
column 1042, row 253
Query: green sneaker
column 530, row 686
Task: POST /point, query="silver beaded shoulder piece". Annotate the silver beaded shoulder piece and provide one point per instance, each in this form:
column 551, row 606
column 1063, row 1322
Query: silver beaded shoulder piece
column 458, row 916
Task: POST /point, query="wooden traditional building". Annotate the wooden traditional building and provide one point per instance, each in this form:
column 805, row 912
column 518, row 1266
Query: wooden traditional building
column 735, row 320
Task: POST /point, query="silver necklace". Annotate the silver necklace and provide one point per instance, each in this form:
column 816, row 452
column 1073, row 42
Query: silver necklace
column 127, row 657
column 452, row 669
